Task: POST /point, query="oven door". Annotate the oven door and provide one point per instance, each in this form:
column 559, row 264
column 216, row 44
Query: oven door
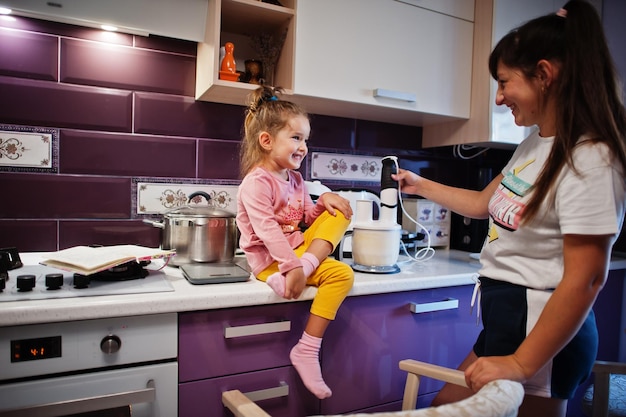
column 140, row 391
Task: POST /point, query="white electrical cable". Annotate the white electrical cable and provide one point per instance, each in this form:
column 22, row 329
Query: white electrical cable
column 423, row 254
column 458, row 149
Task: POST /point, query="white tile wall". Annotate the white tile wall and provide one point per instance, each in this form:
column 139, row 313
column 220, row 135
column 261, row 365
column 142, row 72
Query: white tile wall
column 432, row 217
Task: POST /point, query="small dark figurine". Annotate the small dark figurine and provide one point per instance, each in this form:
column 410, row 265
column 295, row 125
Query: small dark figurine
column 254, row 71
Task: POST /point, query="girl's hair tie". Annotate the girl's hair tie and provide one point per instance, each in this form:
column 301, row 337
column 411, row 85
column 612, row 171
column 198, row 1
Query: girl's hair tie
column 562, row 13
column 273, row 98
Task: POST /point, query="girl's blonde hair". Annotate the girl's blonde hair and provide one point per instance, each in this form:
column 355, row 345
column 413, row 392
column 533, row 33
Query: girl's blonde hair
column 265, row 113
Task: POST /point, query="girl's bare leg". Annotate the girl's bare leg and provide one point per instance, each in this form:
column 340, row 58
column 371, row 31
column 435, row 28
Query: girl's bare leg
column 317, row 251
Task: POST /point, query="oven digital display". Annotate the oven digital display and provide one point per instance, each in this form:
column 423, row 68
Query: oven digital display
column 35, row 349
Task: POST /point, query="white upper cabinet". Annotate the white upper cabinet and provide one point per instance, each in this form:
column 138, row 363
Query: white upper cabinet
column 181, row 19
column 463, row 9
column 383, row 60
column 490, row 125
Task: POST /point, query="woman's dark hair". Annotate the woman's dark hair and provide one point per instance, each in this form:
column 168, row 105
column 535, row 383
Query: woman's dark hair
column 265, row 112
column 588, row 93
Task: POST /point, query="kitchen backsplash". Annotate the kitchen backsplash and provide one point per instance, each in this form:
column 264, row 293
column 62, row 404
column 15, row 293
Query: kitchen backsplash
column 129, row 139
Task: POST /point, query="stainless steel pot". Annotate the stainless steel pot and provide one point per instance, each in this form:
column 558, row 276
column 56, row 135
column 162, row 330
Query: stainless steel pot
column 198, row 233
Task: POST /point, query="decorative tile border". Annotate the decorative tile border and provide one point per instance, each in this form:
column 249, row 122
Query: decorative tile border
column 335, row 166
column 156, row 197
column 28, row 149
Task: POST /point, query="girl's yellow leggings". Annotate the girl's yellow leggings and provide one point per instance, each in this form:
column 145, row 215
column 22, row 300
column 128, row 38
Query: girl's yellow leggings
column 332, row 278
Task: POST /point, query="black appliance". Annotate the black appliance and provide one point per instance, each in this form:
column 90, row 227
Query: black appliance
column 468, row 234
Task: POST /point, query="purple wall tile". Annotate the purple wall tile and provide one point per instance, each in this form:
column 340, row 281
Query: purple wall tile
column 161, row 114
column 101, row 153
column 331, row 132
column 29, row 235
column 37, row 196
column 41, row 103
column 62, row 29
column 107, row 232
column 380, row 136
column 111, row 135
column 100, row 64
column 160, row 43
column 28, row 55
column 218, row 159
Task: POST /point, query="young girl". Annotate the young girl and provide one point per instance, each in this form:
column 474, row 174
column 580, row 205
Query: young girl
column 272, row 202
column 555, row 210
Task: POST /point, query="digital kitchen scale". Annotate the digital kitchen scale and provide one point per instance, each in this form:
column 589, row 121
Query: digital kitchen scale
column 214, row 273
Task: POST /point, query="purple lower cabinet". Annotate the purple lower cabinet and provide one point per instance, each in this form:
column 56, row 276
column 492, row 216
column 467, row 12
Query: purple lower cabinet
column 237, row 340
column 371, row 334
column 245, row 348
column 284, row 393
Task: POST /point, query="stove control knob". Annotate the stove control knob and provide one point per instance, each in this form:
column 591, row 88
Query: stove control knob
column 54, row 281
column 81, row 281
column 25, row 283
column 110, row 344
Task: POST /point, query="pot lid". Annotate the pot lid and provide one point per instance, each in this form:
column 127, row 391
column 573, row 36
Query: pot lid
column 198, row 211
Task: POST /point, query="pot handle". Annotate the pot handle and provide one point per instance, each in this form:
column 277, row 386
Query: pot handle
column 206, row 196
column 155, row 224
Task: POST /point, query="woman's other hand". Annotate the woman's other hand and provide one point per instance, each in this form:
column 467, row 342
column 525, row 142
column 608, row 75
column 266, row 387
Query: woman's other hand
column 490, row 368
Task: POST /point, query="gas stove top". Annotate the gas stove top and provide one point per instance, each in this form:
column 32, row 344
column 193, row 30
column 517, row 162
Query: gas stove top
column 55, row 283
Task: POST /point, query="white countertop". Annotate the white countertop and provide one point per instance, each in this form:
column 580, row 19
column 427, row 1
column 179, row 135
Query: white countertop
column 446, row 269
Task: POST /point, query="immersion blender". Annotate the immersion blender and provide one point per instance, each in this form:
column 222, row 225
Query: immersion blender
column 376, row 243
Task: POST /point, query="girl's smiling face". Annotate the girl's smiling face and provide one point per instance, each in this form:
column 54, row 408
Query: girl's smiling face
column 288, row 148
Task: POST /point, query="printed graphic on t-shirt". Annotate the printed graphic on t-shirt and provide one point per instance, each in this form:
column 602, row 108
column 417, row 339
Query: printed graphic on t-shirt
column 508, row 202
column 505, row 209
column 291, row 216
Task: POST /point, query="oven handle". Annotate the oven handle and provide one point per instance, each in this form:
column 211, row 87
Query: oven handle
column 83, row 405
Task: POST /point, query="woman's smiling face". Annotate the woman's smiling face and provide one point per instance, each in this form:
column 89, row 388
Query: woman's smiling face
column 520, row 94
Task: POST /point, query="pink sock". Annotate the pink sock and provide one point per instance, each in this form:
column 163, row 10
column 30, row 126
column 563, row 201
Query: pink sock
column 276, row 281
column 309, row 263
column 305, row 358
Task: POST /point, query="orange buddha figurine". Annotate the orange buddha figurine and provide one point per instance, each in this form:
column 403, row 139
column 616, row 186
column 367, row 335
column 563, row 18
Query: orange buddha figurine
column 228, row 70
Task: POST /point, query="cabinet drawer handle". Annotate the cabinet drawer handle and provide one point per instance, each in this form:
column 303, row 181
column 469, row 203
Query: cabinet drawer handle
column 269, row 393
column 257, row 329
column 395, row 95
column 447, row 304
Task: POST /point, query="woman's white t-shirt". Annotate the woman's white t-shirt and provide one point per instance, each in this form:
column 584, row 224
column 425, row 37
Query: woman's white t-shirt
column 590, row 201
